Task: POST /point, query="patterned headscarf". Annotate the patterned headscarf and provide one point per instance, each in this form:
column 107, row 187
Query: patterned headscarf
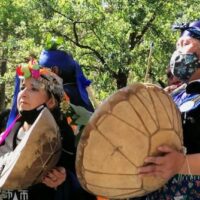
column 189, row 29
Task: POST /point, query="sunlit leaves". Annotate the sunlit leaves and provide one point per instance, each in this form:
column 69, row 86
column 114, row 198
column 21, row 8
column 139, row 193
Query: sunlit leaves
column 106, row 37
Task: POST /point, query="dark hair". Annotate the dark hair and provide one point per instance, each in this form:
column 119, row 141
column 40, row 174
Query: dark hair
column 169, row 74
column 3, row 119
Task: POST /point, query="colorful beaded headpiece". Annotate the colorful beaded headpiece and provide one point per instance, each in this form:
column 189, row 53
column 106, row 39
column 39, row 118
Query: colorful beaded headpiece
column 43, row 77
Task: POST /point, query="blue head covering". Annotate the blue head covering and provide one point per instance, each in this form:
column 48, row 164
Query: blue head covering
column 74, row 81
column 189, row 29
column 13, row 112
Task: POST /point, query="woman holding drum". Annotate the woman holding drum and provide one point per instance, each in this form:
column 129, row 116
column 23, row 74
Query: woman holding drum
column 185, row 64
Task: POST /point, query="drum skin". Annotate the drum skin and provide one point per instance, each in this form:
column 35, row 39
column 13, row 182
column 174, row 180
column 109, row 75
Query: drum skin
column 38, row 152
column 122, row 132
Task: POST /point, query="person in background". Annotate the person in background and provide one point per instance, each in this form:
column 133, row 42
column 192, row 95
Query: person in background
column 182, row 169
column 172, row 81
column 74, row 81
column 75, row 84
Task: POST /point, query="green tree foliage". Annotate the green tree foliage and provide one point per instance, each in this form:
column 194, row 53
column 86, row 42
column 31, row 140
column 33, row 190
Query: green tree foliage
column 19, row 37
column 111, row 39
column 8, row 22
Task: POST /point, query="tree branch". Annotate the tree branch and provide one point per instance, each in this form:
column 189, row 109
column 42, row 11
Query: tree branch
column 136, row 38
column 77, row 43
column 47, row 4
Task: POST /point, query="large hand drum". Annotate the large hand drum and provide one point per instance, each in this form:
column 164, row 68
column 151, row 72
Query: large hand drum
column 37, row 152
column 125, row 129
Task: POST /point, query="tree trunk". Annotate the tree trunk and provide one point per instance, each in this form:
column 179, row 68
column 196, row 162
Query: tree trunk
column 3, row 67
column 2, row 87
column 121, row 78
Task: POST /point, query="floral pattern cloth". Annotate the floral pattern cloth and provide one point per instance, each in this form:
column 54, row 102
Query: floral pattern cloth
column 180, row 187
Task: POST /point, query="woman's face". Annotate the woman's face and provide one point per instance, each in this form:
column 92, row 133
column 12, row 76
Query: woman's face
column 31, row 95
column 188, row 44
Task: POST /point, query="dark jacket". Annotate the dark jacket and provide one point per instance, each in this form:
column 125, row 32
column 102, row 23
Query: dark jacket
column 70, row 189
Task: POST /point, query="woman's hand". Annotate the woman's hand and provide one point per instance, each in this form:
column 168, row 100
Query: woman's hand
column 55, row 177
column 165, row 166
column 170, row 88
